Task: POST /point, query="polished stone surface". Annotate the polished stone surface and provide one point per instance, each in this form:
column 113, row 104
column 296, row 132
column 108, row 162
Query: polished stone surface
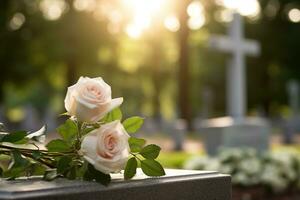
column 177, row 184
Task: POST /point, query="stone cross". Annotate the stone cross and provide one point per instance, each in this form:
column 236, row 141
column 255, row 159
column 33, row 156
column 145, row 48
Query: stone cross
column 239, row 47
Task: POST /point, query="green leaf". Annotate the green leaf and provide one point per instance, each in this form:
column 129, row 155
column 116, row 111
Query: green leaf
column 18, row 159
column 23, row 141
column 150, row 151
column 130, row 169
column 133, row 124
column 50, row 175
column 88, row 176
column 64, row 114
column 36, row 169
column 36, row 155
column 2, row 136
column 115, row 114
column 152, row 168
column 58, row 145
column 68, row 130
column 19, row 165
column 63, row 164
column 136, row 144
column 14, row 137
column 90, row 128
column 100, row 177
column 72, row 173
column 1, row 127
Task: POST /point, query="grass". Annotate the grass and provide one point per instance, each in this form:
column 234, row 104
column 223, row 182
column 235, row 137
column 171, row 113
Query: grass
column 175, row 159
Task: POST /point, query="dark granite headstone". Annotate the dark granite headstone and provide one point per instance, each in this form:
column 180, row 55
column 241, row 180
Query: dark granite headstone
column 177, row 184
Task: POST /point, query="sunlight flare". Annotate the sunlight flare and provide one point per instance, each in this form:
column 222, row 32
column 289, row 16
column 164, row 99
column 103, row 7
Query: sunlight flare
column 249, row 8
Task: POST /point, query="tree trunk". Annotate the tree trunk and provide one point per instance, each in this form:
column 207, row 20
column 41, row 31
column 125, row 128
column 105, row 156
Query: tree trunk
column 183, row 72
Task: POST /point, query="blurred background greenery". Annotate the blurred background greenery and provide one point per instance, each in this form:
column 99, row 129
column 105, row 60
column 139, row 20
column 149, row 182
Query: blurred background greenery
column 152, row 52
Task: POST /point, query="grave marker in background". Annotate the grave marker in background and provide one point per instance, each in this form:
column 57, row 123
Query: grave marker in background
column 235, row 130
column 291, row 125
column 238, row 47
column 176, row 129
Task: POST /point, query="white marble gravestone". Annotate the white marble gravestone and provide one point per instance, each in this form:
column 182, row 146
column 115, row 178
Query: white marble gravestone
column 236, row 130
column 177, row 184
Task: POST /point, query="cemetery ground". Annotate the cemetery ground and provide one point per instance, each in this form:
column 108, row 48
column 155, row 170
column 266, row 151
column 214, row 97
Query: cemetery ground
column 193, row 146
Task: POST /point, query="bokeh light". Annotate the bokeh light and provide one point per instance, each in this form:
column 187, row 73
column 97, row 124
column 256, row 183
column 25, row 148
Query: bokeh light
column 294, row 15
column 133, row 31
column 84, row 5
column 16, row 21
column 272, row 8
column 223, row 15
column 195, row 11
column 172, row 23
column 248, row 8
column 142, row 14
column 53, row 9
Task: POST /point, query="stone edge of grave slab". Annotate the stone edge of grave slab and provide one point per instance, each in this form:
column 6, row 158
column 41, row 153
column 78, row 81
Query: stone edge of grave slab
column 33, row 188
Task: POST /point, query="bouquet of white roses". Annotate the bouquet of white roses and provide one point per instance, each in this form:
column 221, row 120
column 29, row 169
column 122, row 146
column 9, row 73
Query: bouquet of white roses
column 94, row 141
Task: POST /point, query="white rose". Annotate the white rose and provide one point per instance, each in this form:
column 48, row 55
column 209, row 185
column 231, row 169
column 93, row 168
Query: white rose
column 90, row 99
column 106, row 148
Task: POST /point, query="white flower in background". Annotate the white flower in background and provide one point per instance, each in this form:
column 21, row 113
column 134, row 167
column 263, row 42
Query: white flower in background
column 240, row 178
column 106, row 148
column 230, row 154
column 283, row 157
column 197, row 163
column 286, row 161
column 277, row 170
column 271, row 176
column 90, row 99
column 226, row 168
column 213, row 165
column 250, row 166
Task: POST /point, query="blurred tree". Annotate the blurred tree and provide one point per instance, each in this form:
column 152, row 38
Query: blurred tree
column 183, row 72
column 40, row 56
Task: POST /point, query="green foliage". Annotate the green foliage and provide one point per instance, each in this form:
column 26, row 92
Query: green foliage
column 149, row 165
column 68, row 130
column 176, row 160
column 36, row 154
column 152, row 168
column 93, row 174
column 50, row 175
column 90, row 128
column 72, row 173
column 19, row 165
column 58, row 145
column 62, row 157
column 136, row 144
column 130, row 169
column 63, row 164
column 115, row 114
column 150, row 151
column 14, row 137
column 133, row 124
